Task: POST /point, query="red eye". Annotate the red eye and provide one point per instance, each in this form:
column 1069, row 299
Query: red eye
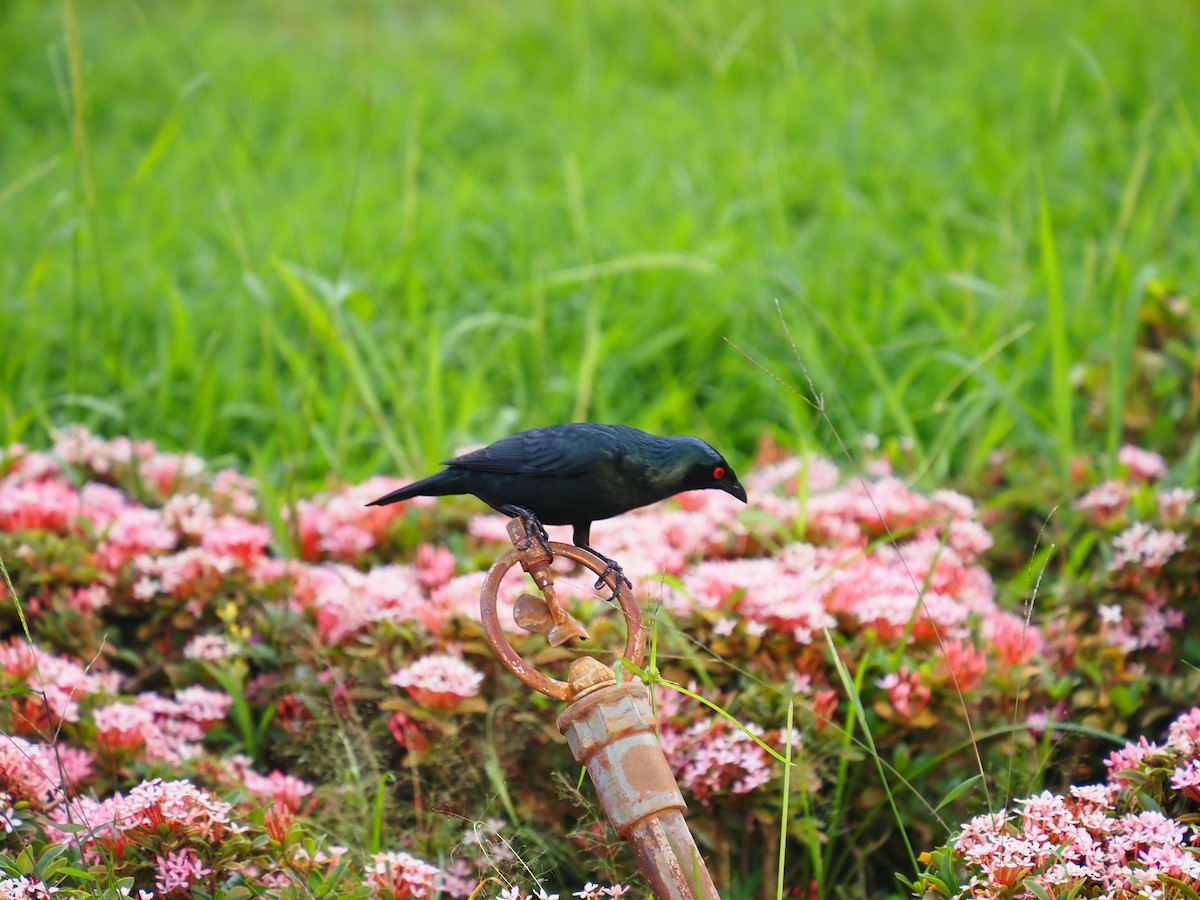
column 718, row 473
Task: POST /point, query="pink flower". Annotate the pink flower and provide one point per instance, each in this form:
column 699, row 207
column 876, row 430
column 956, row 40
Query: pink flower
column 1140, row 545
column 238, row 539
column 122, row 727
column 61, row 681
column 1184, row 732
column 35, row 773
column 858, row 511
column 964, row 665
column 25, row 887
column 1129, row 757
column 77, row 446
column 346, row 602
column 190, row 514
column 1014, row 642
column 1105, row 502
column 435, row 566
column 458, row 879
column 399, row 876
column 37, row 506
column 135, row 531
column 285, row 790
column 102, row 504
column 170, row 472
column 1173, row 504
column 235, row 493
column 208, row 647
column 340, row 525
column 710, row 757
column 1186, row 778
column 201, row 705
column 459, row 597
column 179, row 872
column 439, row 680
column 160, row 728
column 92, row 598
column 906, row 694
column 1143, row 465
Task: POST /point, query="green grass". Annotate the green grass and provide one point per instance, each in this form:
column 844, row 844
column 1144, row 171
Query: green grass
column 350, row 236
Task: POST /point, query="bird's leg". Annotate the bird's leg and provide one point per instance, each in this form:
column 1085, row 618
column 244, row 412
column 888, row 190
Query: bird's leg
column 610, row 565
column 533, row 528
column 581, row 537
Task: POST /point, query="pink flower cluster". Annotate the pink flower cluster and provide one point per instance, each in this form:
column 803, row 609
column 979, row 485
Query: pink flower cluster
column 439, row 680
column 39, row 774
column 1105, row 502
column 188, row 813
column 1142, row 465
column 1151, row 559
column 339, row 525
column 346, row 603
column 277, row 787
column 846, row 576
column 178, row 872
column 56, row 685
column 184, row 550
column 157, row 728
column 1097, row 839
column 907, row 695
column 50, row 503
column 589, row 891
column 1144, row 547
column 398, row 876
column 26, row 887
column 710, row 756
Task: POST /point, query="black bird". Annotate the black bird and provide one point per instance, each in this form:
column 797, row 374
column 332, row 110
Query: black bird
column 575, row 474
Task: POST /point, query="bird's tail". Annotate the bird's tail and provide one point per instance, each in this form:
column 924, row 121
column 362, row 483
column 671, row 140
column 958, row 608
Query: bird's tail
column 438, row 485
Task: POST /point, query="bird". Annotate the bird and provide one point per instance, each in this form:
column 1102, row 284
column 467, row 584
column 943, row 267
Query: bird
column 575, row 474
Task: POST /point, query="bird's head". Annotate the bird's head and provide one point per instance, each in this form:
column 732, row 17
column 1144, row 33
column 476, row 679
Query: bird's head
column 705, row 468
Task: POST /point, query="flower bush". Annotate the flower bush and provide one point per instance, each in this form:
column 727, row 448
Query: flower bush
column 287, row 679
column 1131, row 837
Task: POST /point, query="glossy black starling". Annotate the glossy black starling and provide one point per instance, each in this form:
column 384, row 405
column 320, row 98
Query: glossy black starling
column 578, row 473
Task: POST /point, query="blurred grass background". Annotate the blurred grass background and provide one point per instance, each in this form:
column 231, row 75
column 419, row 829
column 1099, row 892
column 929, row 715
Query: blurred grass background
column 352, row 235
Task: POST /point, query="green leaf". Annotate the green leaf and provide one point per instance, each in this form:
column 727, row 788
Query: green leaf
column 78, row 873
column 1184, row 889
column 956, row 792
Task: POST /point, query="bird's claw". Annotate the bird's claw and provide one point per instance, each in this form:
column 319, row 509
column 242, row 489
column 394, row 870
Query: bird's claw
column 533, row 529
column 611, row 566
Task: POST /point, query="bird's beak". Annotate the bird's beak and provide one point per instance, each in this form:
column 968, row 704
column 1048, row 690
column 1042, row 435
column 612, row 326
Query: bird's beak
column 735, row 488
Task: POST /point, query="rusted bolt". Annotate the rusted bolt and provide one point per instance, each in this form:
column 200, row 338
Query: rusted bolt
column 587, row 674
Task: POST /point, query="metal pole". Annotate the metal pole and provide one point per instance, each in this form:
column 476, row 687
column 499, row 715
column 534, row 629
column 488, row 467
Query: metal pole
column 609, row 727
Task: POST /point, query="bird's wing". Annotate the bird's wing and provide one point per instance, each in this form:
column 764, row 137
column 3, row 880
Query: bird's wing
column 554, row 451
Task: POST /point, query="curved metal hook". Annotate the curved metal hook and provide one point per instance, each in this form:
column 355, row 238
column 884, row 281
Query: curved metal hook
column 534, row 560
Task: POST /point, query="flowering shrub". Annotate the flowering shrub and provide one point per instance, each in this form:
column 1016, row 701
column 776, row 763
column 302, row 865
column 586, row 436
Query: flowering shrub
column 175, row 639
column 1132, row 836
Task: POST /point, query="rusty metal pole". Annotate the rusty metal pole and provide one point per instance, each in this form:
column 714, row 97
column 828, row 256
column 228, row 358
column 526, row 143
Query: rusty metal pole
column 609, row 727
